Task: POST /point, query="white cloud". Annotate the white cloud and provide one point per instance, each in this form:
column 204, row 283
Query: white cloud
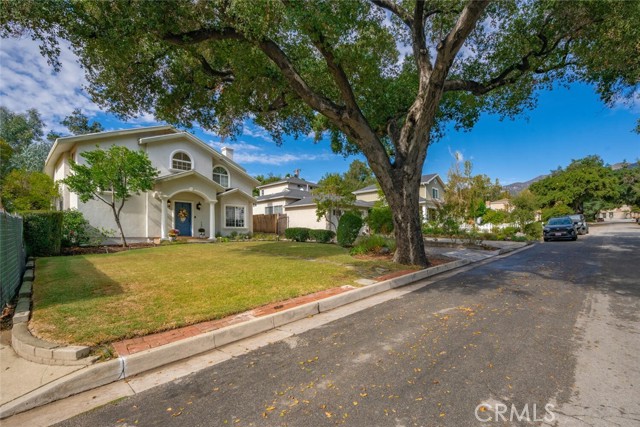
column 27, row 81
column 256, row 132
column 278, row 159
column 457, row 155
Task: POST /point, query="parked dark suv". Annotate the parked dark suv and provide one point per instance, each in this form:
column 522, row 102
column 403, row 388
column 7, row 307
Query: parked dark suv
column 580, row 223
column 560, row 228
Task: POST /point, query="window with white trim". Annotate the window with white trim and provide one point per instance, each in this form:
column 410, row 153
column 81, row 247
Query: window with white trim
column 434, row 193
column 278, row 209
column 234, row 216
column 181, row 161
column 221, row 176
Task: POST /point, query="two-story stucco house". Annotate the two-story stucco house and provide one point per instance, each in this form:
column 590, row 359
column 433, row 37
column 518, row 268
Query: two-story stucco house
column 431, row 194
column 275, row 196
column 197, row 188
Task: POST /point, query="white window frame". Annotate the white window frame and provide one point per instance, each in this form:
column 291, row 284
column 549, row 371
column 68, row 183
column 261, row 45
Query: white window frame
column 269, row 210
column 228, row 176
column 193, row 163
column 435, row 193
column 244, row 219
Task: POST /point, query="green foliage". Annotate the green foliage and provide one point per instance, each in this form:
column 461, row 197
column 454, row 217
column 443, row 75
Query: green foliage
column 297, row 234
column 78, row 123
column 558, row 210
column 322, row 236
column 628, row 177
column 372, row 244
column 112, row 176
column 348, row 228
column 583, row 180
column 444, row 223
column 27, row 191
column 533, row 230
column 524, row 210
column 495, row 217
column 380, row 220
column 76, row 230
column 465, row 194
column 23, row 146
column 43, row 232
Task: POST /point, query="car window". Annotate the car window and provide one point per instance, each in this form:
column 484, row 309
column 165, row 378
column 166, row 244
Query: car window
column 560, row 221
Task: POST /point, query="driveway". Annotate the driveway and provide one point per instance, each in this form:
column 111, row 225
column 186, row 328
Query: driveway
column 555, row 326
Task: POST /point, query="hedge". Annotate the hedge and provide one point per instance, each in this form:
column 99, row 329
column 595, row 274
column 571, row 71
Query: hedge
column 297, row 234
column 322, row 236
column 348, row 228
column 43, row 232
column 380, row 220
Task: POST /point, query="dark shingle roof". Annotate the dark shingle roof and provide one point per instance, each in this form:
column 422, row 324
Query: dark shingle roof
column 428, row 177
column 289, row 194
column 310, row 200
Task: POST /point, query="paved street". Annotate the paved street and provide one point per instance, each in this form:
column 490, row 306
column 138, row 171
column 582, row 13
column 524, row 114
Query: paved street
column 555, row 325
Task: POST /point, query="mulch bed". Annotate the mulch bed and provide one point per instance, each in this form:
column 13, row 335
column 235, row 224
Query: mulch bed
column 110, row 249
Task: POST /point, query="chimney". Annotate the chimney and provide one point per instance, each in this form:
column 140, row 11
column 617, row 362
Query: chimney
column 296, row 173
column 227, row 152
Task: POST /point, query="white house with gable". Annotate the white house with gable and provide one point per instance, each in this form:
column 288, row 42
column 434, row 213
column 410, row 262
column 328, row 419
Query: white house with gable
column 197, row 188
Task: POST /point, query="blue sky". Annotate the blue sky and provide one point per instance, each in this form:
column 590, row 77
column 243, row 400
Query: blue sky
column 567, row 124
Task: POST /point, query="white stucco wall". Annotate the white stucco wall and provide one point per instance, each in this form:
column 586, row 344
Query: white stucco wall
column 368, row 197
column 234, row 200
column 305, row 216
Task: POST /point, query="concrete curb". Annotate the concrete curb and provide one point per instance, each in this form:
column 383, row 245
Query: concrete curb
column 127, row 366
column 34, row 349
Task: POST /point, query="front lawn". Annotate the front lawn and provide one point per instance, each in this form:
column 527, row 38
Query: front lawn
column 95, row 299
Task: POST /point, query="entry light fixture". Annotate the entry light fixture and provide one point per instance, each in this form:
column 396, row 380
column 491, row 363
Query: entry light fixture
column 169, row 204
column 199, row 205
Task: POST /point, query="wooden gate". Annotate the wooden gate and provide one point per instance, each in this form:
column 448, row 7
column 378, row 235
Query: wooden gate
column 271, row 223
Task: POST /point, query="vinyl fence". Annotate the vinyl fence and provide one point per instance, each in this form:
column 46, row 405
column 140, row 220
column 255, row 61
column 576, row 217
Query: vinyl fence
column 12, row 256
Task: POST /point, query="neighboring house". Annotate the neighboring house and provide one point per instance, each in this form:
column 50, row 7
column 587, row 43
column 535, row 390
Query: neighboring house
column 198, row 187
column 293, row 196
column 621, row 212
column 499, row 205
column 273, row 197
column 430, row 198
column 303, row 213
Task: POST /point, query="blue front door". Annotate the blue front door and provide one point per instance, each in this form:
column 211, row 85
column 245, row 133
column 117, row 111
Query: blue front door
column 183, row 218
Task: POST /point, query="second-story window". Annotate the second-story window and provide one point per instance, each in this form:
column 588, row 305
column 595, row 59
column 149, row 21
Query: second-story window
column 434, row 193
column 181, row 161
column 221, row 176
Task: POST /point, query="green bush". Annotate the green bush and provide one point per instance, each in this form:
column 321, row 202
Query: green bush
column 43, row 232
column 348, row 228
column 297, row 234
column 322, row 236
column 558, row 210
column 75, row 229
column 533, row 230
column 372, row 244
column 380, row 220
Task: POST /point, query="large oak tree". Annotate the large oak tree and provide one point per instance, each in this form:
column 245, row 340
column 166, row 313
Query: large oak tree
column 381, row 77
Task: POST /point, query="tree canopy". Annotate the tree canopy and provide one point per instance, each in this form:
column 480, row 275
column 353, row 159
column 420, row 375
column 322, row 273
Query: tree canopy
column 336, row 67
column 112, row 176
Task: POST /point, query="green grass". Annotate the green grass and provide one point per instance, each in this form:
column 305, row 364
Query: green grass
column 95, row 299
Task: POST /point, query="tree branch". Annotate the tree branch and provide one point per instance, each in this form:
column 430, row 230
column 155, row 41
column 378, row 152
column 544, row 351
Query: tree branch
column 224, row 75
column 396, row 9
column 204, row 34
column 419, row 41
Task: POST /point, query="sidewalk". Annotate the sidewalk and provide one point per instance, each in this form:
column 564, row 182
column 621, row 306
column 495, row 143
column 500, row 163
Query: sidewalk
column 25, row 385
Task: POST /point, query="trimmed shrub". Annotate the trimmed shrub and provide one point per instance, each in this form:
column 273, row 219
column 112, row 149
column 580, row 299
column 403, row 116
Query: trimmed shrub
column 372, row 244
column 297, row 234
column 322, row 236
column 75, row 229
column 348, row 228
column 533, row 230
column 43, row 232
column 380, row 220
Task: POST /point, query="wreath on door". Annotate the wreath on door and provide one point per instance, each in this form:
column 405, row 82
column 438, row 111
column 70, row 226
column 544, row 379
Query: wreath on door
column 183, row 214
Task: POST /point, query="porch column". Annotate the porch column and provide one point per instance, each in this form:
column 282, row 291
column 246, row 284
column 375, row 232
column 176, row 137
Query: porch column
column 212, row 220
column 425, row 214
column 163, row 218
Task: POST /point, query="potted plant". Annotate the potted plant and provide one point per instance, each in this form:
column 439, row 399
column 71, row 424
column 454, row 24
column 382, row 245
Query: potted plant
column 173, row 234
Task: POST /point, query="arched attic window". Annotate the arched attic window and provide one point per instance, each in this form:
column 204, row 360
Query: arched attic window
column 221, row 176
column 181, row 161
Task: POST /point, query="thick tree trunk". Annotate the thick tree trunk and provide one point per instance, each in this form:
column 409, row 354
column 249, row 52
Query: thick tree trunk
column 403, row 201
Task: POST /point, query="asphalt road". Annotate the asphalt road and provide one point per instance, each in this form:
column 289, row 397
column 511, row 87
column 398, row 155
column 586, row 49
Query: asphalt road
column 556, row 325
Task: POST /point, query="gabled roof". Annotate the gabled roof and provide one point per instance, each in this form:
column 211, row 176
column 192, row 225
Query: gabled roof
column 239, row 192
column 311, row 201
column 185, row 174
column 367, row 189
column 63, row 144
column 290, row 180
column 199, row 142
column 287, row 194
column 427, row 178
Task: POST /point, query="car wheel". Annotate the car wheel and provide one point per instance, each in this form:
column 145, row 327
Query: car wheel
column 546, row 240
column 574, row 238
